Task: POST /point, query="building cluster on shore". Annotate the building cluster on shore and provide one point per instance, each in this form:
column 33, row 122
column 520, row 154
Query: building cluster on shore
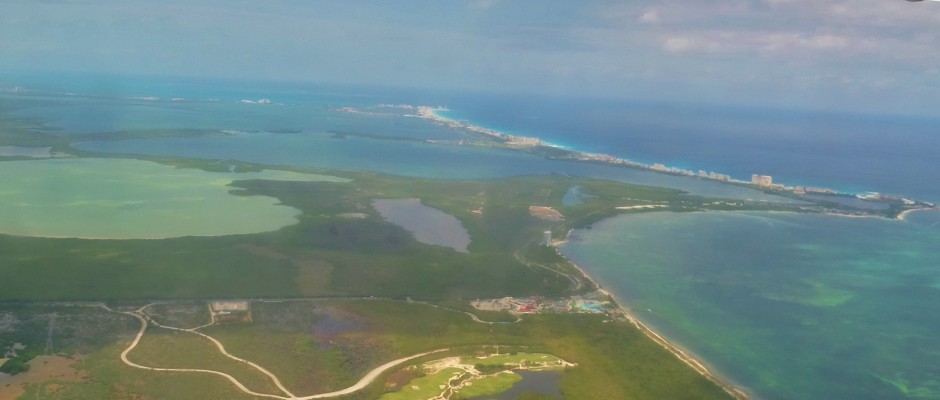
column 590, row 303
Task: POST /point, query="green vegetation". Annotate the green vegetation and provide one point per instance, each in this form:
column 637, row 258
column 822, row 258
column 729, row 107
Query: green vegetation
column 520, row 360
column 111, row 379
column 318, row 346
column 161, row 348
column 493, row 384
column 32, row 330
column 491, row 374
column 14, row 366
column 534, row 396
column 425, row 387
column 483, row 315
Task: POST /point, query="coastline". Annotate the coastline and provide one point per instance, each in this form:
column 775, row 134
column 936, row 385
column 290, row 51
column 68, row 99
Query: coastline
column 683, row 355
column 553, row 151
column 903, row 214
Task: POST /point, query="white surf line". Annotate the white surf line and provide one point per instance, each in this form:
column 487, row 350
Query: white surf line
column 641, row 207
column 365, row 381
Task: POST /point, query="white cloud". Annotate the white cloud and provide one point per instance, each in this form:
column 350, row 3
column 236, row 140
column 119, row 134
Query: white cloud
column 650, row 16
column 678, row 44
column 869, row 31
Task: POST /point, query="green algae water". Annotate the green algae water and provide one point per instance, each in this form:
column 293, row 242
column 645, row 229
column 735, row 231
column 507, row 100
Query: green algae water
column 131, row 199
column 789, row 306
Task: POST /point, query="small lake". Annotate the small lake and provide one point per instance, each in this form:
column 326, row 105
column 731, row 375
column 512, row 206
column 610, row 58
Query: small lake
column 428, row 225
column 542, row 382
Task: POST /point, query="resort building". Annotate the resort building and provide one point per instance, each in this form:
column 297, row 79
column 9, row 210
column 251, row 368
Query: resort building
column 762, row 180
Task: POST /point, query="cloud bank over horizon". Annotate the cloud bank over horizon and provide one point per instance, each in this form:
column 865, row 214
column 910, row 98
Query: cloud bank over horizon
column 849, row 54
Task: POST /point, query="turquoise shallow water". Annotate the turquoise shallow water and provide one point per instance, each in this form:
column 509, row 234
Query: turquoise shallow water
column 790, row 306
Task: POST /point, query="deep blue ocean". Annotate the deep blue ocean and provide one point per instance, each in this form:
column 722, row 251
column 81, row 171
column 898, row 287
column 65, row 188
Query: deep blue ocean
column 848, row 152
column 790, row 306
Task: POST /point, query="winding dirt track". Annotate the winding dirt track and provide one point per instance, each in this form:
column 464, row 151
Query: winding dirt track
column 145, row 321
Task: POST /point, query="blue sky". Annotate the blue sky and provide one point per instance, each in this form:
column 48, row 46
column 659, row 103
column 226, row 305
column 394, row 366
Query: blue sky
column 847, row 54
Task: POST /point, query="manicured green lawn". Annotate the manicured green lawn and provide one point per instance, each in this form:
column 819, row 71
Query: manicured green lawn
column 425, row 387
column 492, row 384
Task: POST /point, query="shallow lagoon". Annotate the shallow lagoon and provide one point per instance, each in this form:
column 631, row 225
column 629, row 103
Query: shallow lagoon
column 131, row 199
column 428, row 225
column 791, row 306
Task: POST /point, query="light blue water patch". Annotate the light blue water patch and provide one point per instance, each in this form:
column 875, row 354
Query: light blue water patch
column 791, row 306
column 925, row 218
column 574, row 196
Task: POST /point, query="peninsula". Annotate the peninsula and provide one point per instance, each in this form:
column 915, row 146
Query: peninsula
column 896, row 205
